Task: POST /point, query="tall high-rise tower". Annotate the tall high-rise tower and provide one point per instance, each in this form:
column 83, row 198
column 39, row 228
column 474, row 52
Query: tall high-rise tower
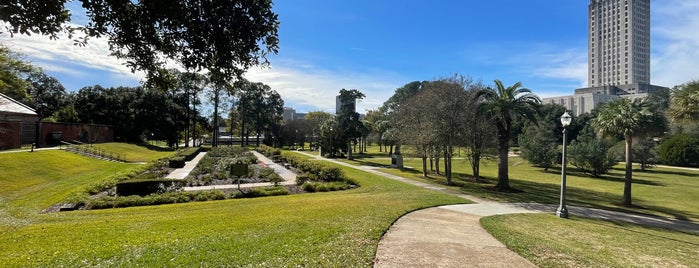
column 619, row 42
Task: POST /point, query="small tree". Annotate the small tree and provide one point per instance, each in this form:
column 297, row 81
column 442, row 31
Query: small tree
column 591, row 155
column 539, row 146
column 680, row 150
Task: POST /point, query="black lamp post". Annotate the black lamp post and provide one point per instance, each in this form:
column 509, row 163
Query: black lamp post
column 562, row 211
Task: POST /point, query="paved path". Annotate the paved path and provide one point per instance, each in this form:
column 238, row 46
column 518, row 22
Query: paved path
column 181, row 173
column 451, row 236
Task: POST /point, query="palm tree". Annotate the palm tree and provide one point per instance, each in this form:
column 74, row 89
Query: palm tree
column 503, row 104
column 628, row 118
column 684, row 102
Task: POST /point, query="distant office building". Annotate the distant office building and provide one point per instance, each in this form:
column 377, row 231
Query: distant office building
column 288, row 114
column 339, row 104
column 618, row 55
column 299, row 116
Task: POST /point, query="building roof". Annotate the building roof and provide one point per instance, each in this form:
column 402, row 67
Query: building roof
column 11, row 106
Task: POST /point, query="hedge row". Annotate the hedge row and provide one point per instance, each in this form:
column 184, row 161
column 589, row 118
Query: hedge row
column 148, row 186
column 268, row 151
column 176, row 162
column 184, row 156
column 166, row 198
column 316, row 170
column 190, row 153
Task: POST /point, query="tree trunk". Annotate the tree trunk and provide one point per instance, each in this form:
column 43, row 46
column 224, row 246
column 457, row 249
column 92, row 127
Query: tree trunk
column 424, row 165
column 503, row 177
column 242, row 132
column 431, row 164
column 476, row 167
column 214, row 142
column 349, row 150
column 447, row 165
column 436, row 164
column 194, row 124
column 628, row 176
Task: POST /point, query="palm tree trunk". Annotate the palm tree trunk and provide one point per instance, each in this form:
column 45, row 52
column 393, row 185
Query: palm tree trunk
column 503, row 177
column 628, row 176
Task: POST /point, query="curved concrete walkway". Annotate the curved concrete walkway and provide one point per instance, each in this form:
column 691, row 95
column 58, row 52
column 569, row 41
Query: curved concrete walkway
column 451, row 236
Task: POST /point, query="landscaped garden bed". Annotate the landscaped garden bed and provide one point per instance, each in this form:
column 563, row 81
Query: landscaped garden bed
column 215, row 168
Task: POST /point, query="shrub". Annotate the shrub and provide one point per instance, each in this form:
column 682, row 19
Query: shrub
column 591, row 155
column 189, row 153
column 325, row 187
column 155, row 199
column 303, row 178
column 268, row 151
column 176, row 162
column 262, row 191
column 680, row 150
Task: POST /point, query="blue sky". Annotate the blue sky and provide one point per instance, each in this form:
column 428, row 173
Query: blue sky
column 378, row 46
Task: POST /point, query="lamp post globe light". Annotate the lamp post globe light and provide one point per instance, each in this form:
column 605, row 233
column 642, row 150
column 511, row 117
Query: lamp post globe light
column 562, row 211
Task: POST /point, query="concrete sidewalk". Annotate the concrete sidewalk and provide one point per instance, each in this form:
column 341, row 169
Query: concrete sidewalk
column 181, row 173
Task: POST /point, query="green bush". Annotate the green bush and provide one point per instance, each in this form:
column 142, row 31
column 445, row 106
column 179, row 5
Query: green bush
column 176, row 162
column 325, row 186
column 303, row 178
column 150, row 200
column 189, row 153
column 261, row 192
column 268, row 151
column 680, row 150
column 591, row 155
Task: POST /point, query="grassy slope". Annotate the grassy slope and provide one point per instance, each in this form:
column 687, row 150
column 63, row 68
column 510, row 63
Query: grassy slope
column 322, row 229
column 136, row 153
column 578, row 242
column 34, row 181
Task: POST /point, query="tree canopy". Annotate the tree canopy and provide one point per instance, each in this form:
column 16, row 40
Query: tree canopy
column 224, row 37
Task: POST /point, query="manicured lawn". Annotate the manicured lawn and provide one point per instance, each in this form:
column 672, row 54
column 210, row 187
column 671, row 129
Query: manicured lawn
column 30, row 182
column 548, row 241
column 664, row 192
column 135, row 152
column 321, row 229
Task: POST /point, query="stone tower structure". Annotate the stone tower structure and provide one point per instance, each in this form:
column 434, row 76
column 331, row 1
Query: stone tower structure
column 619, row 42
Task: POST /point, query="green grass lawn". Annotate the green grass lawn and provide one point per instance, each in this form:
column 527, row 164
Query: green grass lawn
column 321, row 229
column 30, row 182
column 136, row 152
column 548, row 241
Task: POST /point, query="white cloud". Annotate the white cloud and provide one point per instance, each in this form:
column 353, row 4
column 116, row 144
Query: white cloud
column 299, row 83
column 675, row 44
column 315, row 87
column 63, row 56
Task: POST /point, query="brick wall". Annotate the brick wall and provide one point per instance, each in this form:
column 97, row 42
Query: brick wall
column 86, row 133
column 10, row 135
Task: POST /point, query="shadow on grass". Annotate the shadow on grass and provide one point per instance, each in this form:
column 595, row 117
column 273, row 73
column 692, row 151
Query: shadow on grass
column 550, row 194
column 670, row 172
column 626, row 226
column 606, row 177
column 155, row 148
